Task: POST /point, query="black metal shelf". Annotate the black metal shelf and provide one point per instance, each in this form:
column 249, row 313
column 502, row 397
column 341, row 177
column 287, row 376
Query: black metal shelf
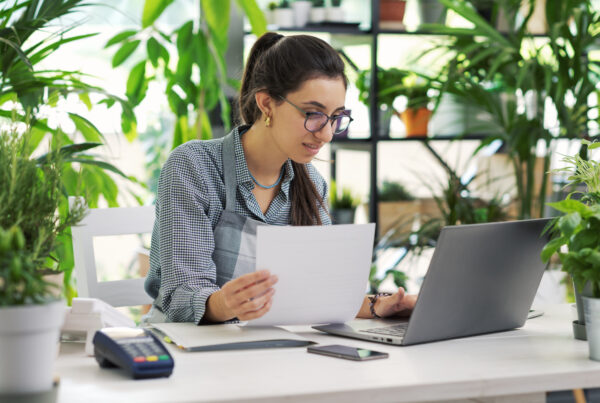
column 350, row 29
column 368, row 140
column 472, row 137
column 390, row 31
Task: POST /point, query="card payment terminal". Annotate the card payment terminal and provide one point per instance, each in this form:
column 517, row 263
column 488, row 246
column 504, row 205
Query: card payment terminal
column 139, row 352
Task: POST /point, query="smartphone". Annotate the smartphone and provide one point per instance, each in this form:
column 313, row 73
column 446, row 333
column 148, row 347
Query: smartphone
column 347, row 352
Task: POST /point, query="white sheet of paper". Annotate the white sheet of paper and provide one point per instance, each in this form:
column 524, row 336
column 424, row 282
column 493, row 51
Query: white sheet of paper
column 323, row 272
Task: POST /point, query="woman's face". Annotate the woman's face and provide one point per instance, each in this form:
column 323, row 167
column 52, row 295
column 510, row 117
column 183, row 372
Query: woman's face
column 324, row 95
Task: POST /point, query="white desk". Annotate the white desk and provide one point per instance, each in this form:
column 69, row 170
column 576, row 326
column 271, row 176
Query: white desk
column 542, row 356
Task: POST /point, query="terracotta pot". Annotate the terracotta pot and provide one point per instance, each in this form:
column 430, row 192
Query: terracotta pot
column 392, row 10
column 416, row 121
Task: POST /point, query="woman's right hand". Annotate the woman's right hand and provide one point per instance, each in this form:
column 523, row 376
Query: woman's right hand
column 249, row 296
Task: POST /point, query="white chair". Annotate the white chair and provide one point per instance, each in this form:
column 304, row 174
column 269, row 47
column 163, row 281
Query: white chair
column 101, row 222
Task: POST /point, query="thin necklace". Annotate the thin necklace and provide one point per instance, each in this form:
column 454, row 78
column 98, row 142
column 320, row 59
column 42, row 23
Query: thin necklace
column 267, row 187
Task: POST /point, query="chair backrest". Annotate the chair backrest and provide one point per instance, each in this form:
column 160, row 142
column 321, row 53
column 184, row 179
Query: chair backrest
column 101, row 222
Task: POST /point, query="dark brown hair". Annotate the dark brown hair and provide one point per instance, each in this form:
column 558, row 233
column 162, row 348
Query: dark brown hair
column 279, row 65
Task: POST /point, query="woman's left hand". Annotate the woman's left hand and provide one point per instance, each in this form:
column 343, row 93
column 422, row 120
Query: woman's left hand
column 398, row 304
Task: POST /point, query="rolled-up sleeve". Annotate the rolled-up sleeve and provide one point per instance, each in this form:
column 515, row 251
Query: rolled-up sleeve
column 186, row 242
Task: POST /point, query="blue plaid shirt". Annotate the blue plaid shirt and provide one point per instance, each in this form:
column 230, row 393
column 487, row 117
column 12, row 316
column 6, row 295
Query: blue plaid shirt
column 190, row 200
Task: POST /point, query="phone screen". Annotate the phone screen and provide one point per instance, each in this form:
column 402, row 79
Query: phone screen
column 347, row 352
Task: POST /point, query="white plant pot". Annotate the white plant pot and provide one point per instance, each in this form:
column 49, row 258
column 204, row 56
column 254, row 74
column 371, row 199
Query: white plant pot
column 284, row 17
column 591, row 306
column 29, row 337
column 270, row 17
column 301, row 11
column 317, row 15
column 335, row 14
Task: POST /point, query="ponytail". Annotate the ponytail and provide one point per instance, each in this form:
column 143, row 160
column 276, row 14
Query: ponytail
column 280, row 65
column 249, row 111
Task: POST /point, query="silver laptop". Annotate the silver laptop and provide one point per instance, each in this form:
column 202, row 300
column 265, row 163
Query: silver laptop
column 482, row 278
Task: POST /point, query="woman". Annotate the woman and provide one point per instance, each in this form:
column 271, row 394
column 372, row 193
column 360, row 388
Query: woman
column 212, row 194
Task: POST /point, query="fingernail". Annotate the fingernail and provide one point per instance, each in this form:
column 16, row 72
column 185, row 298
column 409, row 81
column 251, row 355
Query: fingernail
column 274, row 277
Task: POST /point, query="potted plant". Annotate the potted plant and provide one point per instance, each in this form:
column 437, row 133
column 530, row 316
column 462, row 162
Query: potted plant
column 33, row 212
column 335, row 13
column 577, row 239
column 301, row 9
column 387, row 80
column 270, row 12
column 317, row 11
column 284, row 16
column 343, row 205
column 416, row 115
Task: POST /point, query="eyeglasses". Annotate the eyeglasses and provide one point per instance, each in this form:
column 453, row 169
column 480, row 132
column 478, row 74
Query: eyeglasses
column 315, row 121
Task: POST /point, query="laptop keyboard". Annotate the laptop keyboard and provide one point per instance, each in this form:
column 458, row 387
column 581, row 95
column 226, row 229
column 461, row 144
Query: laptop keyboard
column 396, row 330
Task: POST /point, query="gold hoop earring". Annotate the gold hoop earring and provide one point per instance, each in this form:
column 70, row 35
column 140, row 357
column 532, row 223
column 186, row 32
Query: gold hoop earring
column 268, row 121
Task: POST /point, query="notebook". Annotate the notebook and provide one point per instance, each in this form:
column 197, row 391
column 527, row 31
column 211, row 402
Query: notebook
column 482, row 278
column 191, row 337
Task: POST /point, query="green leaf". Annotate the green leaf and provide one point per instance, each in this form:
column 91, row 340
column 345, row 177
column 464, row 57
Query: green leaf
column 129, row 128
column 593, row 258
column 77, row 148
column 19, row 52
column 136, row 83
column 587, row 238
column 108, row 101
column 180, row 131
column 101, row 164
column 184, row 37
column 570, row 206
column 205, row 127
column 257, row 19
column 164, row 54
column 153, row 48
column 178, row 106
column 216, row 15
column 109, row 190
column 68, row 150
column 85, row 98
column 124, row 52
column 568, row 223
column 87, row 128
column 120, row 37
column 551, row 248
column 152, row 10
